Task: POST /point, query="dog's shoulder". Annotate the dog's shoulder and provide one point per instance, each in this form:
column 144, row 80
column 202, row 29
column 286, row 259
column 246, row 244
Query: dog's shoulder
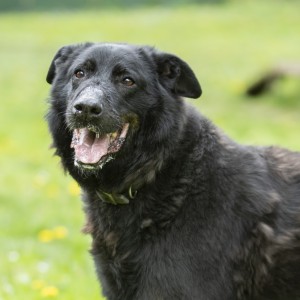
column 285, row 162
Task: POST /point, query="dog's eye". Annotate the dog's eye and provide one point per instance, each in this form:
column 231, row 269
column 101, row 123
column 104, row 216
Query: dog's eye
column 79, row 74
column 128, row 81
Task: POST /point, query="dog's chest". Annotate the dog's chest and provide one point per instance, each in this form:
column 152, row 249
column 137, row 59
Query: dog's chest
column 147, row 261
column 148, row 271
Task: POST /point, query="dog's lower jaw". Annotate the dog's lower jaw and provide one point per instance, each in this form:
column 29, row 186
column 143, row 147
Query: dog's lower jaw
column 93, row 167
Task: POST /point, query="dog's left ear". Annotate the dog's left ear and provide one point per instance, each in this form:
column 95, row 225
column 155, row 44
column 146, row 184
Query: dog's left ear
column 177, row 76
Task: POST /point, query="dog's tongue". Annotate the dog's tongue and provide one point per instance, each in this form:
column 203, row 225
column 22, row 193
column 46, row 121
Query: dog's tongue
column 89, row 148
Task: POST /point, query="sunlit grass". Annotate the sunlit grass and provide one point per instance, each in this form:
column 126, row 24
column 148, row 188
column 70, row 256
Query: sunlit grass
column 43, row 253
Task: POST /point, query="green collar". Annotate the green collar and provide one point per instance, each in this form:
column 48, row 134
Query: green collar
column 115, row 198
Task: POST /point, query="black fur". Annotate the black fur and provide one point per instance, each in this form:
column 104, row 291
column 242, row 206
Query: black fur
column 210, row 220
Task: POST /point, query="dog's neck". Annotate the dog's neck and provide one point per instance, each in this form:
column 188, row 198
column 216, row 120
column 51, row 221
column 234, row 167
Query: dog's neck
column 117, row 198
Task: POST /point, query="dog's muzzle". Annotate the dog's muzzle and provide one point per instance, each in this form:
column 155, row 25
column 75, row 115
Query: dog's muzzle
column 88, row 103
column 96, row 136
column 93, row 149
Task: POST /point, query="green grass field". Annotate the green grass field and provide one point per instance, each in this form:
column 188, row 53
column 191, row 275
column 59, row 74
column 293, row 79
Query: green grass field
column 43, row 253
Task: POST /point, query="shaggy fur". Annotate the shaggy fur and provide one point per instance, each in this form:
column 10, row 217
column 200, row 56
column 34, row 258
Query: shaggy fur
column 202, row 217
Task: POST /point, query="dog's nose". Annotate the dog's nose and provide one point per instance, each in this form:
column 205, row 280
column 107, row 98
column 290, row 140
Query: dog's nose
column 88, row 107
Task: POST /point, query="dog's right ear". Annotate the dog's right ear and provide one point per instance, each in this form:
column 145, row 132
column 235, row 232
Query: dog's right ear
column 61, row 56
column 52, row 68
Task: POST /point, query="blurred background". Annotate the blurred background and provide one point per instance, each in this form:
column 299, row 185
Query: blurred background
column 229, row 44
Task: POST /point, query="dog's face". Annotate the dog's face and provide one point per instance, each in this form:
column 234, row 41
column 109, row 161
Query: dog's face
column 105, row 93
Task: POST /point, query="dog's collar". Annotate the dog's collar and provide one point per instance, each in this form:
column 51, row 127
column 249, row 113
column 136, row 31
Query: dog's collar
column 115, row 198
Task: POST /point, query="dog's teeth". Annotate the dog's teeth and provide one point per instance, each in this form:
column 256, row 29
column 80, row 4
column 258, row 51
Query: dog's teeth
column 97, row 135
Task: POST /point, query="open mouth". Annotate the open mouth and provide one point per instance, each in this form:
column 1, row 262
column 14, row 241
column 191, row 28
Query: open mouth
column 93, row 149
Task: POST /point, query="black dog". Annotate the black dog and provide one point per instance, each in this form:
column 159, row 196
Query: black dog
column 175, row 208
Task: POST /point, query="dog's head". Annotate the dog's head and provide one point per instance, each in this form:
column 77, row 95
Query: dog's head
column 105, row 93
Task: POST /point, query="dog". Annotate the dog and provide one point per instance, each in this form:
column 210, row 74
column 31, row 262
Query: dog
column 175, row 208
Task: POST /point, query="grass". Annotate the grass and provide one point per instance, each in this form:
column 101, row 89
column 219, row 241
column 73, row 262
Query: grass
column 43, row 254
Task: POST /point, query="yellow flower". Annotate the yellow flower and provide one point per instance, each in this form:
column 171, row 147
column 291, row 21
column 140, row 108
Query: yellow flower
column 60, row 232
column 46, row 236
column 49, row 291
column 74, row 188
